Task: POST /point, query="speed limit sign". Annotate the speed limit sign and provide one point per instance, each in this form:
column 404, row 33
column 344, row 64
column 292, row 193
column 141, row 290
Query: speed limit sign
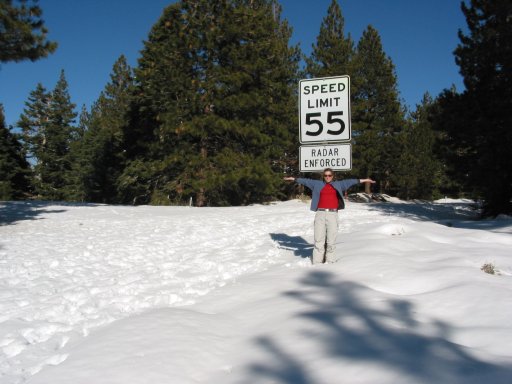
column 324, row 109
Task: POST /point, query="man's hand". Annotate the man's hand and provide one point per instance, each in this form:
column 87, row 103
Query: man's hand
column 367, row 181
column 289, row 178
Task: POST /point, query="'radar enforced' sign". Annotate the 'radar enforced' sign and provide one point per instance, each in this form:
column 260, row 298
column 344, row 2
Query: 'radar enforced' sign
column 324, row 109
column 314, row 158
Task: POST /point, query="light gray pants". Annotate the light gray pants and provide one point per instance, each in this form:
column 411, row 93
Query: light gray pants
column 326, row 228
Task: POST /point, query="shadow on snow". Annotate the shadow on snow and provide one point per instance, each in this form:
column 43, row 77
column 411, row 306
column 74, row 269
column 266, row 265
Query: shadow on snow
column 413, row 351
column 297, row 244
column 428, row 211
column 14, row 211
column 458, row 215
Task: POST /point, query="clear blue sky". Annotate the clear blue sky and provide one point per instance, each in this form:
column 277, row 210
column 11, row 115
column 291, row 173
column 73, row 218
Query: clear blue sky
column 418, row 35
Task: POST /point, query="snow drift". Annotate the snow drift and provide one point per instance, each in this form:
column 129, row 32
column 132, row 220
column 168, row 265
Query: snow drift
column 113, row 294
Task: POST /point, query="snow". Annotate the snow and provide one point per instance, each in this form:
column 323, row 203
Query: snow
column 115, row 294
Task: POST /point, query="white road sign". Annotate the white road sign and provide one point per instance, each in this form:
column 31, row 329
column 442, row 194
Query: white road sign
column 313, row 158
column 324, row 109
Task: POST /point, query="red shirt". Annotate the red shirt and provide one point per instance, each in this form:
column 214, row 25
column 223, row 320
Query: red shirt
column 328, row 197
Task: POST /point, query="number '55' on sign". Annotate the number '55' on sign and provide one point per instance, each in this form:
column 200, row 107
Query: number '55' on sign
column 337, row 124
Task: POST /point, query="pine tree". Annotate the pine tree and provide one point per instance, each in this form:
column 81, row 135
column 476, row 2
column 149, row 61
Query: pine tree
column 34, row 120
column 55, row 182
column 332, row 54
column 458, row 159
column 100, row 157
column 22, row 32
column 215, row 105
column 377, row 116
column 76, row 177
column 14, row 168
column 418, row 173
column 481, row 136
column 47, row 125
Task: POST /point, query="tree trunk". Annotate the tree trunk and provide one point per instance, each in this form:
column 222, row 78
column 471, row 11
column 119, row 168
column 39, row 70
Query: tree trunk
column 200, row 196
column 367, row 188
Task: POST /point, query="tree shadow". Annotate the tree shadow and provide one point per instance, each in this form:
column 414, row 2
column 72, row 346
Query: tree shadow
column 288, row 369
column 297, row 244
column 14, row 211
column 428, row 211
column 457, row 215
column 388, row 335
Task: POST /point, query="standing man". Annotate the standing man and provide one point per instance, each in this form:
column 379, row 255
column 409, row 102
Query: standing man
column 327, row 199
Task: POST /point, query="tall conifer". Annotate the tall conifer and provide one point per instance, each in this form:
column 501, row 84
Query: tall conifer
column 377, row 115
column 100, row 155
column 79, row 164
column 480, row 135
column 47, row 124
column 332, row 54
column 14, row 168
column 215, row 106
column 418, row 173
column 33, row 122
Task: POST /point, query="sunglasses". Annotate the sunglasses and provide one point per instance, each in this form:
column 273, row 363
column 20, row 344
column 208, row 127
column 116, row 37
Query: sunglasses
column 327, row 175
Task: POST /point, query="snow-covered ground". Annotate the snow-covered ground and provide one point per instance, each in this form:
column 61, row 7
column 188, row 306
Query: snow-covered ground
column 112, row 294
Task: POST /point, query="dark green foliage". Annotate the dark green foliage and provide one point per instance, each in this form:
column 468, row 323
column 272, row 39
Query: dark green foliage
column 33, row 121
column 332, row 54
column 212, row 115
column 453, row 150
column 475, row 125
column 98, row 158
column 418, row 173
column 214, row 110
column 14, row 168
column 47, row 124
column 78, row 162
column 377, row 116
column 22, row 32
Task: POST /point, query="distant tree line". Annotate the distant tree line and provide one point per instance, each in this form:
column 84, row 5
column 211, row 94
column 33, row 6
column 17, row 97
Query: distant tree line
column 210, row 113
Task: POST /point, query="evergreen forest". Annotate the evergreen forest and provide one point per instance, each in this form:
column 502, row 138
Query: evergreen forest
column 209, row 113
